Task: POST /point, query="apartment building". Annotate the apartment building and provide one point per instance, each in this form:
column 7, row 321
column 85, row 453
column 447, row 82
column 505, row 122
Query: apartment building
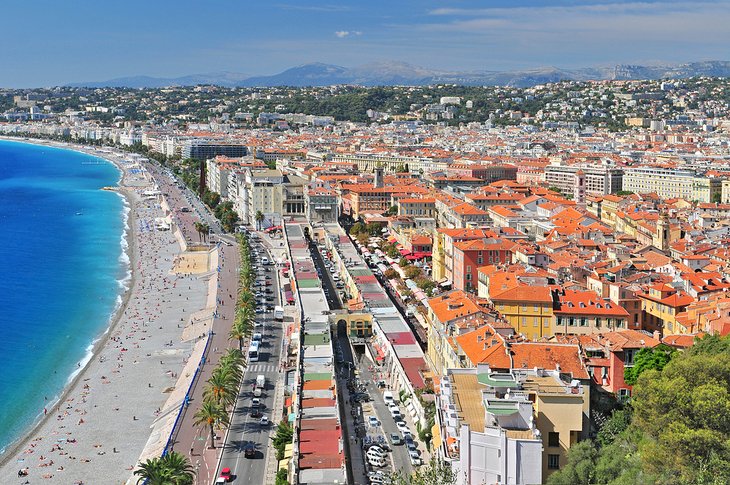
column 584, row 312
column 598, row 179
column 486, row 429
column 488, row 173
column 391, row 163
column 321, row 205
column 661, row 304
column 470, row 255
column 669, row 183
column 203, row 148
column 417, row 207
column 512, row 427
column 528, row 309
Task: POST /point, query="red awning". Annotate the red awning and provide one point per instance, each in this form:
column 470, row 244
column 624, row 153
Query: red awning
column 422, row 254
column 391, row 239
column 273, row 228
column 404, row 251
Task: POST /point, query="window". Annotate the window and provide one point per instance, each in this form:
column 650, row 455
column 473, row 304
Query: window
column 583, row 322
column 553, row 462
column 553, row 439
column 535, row 322
column 629, row 356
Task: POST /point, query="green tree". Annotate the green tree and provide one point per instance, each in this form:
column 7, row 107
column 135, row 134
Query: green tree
column 212, row 415
column 222, row 386
column 357, row 228
column 283, row 436
column 171, row 469
column 435, row 472
column 259, row 219
column 403, row 262
column 648, row 358
column 580, row 468
column 239, row 331
column 412, row 272
column 282, row 477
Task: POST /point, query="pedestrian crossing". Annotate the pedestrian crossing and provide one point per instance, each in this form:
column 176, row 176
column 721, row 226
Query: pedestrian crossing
column 262, row 368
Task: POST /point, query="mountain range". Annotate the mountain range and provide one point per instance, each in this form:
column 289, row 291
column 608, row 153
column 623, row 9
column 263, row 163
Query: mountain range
column 401, row 73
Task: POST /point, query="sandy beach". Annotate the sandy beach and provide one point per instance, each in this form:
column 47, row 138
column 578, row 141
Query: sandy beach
column 98, row 429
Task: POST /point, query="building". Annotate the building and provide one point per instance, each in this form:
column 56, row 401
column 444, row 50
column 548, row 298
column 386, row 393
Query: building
column 528, row 309
column 661, row 305
column 449, row 315
column 203, row 149
column 391, row 163
column 488, row 173
column 670, row 183
column 598, row 179
column 585, row 312
column 470, row 255
column 486, row 430
column 321, row 205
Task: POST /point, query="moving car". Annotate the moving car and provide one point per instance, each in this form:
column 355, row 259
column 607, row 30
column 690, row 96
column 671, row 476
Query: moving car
column 373, row 421
column 226, row 474
column 249, row 451
column 264, row 421
column 395, row 439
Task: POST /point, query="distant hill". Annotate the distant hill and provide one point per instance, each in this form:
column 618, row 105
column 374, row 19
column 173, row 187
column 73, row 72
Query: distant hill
column 401, row 73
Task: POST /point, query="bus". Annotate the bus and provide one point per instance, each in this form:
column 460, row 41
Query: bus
column 253, row 351
column 279, row 313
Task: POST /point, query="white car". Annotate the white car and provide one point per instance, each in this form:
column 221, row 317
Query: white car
column 402, row 427
column 264, row 421
column 375, row 449
column 373, row 421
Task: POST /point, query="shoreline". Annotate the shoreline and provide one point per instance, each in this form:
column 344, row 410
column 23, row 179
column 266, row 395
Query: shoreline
column 100, row 340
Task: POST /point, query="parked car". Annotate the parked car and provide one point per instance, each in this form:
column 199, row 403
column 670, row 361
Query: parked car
column 373, row 421
column 375, row 449
column 402, row 427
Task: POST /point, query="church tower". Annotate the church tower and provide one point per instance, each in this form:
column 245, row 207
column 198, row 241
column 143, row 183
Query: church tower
column 579, row 187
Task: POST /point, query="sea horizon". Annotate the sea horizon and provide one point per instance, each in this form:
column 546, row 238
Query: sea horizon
column 64, row 270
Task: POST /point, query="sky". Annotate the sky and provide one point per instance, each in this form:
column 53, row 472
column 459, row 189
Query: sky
column 53, row 42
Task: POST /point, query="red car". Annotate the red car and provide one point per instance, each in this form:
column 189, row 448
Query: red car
column 226, row 475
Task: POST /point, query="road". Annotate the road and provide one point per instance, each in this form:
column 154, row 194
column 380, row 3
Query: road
column 356, row 414
column 190, row 439
column 244, row 428
column 331, row 292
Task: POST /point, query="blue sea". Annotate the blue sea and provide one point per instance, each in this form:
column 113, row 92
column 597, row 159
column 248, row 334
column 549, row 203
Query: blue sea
column 62, row 272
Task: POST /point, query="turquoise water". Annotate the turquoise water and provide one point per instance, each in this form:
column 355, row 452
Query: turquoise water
column 62, row 272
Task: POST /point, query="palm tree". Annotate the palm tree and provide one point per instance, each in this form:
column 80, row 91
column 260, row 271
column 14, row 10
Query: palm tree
column 233, row 357
column 213, row 415
column 259, row 219
column 153, row 472
column 238, row 332
column 199, row 228
column 222, row 386
column 205, row 230
column 171, row 469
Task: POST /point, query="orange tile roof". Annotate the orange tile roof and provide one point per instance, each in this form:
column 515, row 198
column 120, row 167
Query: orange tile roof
column 541, row 294
column 452, row 305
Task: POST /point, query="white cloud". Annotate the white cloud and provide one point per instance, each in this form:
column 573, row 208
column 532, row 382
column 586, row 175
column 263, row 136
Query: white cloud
column 344, row 33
